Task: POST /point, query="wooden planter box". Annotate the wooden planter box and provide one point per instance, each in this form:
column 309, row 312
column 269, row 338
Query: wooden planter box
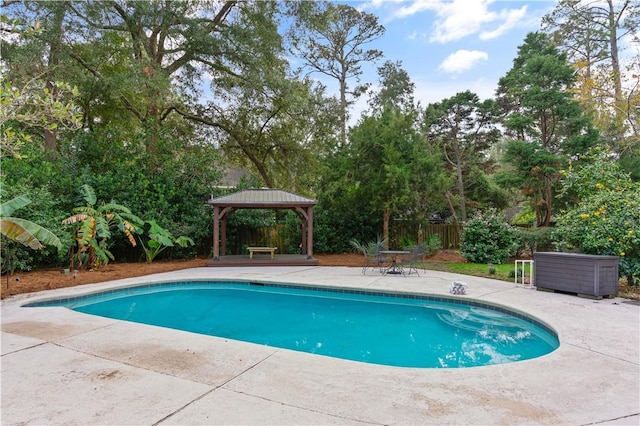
column 583, row 274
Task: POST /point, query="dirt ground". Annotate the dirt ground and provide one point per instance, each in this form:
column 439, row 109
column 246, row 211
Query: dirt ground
column 47, row 279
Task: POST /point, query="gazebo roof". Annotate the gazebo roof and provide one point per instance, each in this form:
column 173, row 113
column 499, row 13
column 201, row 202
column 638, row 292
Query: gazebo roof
column 262, row 198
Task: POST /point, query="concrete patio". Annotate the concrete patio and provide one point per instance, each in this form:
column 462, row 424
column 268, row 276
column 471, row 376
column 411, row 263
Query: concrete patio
column 63, row 367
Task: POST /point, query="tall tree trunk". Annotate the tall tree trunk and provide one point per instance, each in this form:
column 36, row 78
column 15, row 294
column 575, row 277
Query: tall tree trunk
column 615, row 63
column 385, row 226
column 343, row 108
column 460, row 185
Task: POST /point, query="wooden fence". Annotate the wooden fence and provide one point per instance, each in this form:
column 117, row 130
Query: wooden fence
column 275, row 236
column 271, row 236
column 448, row 233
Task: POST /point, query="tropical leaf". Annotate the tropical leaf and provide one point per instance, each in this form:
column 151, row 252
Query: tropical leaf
column 162, row 239
column 88, row 194
column 129, row 229
column 114, row 207
column 102, row 228
column 16, row 232
column 7, row 208
column 96, row 225
column 183, row 241
column 76, row 218
column 86, row 231
column 28, row 233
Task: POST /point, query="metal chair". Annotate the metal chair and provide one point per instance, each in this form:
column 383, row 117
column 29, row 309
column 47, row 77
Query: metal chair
column 412, row 260
column 373, row 259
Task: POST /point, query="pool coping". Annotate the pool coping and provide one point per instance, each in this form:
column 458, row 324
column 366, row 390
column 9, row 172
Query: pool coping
column 591, row 378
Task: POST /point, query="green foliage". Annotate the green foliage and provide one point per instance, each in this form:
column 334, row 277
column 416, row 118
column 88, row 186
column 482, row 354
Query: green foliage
column 606, row 216
column 595, row 173
column 41, row 107
column 534, row 239
column 432, row 245
column 488, row 238
column 19, row 233
column 463, row 128
column 159, row 239
column 545, row 125
column 24, row 231
column 92, row 225
column 369, row 248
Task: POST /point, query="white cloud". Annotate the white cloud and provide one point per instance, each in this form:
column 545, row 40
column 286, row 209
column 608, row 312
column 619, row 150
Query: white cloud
column 460, row 18
column 462, row 60
column 511, row 19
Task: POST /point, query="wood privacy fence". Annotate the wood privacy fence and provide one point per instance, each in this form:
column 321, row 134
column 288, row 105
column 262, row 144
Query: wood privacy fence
column 276, row 236
column 268, row 236
column 448, row 233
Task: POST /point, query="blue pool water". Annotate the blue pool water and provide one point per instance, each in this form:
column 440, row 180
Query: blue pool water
column 408, row 331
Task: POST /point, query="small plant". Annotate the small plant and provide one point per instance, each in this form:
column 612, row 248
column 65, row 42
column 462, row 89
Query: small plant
column 491, row 269
column 160, row 239
column 432, row 245
column 407, row 242
column 368, row 248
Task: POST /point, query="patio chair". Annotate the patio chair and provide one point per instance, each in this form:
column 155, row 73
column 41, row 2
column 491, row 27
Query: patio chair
column 373, row 258
column 412, row 260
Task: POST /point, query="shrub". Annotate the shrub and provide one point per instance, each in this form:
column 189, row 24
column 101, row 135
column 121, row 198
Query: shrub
column 531, row 240
column 607, row 223
column 432, row 245
column 488, row 238
column 606, row 218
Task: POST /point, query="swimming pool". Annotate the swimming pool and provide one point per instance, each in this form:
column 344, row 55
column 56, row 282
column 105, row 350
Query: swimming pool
column 405, row 330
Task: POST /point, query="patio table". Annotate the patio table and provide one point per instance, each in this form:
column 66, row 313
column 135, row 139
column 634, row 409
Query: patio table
column 393, row 268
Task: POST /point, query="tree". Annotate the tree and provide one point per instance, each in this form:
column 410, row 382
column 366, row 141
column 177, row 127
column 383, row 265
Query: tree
column 150, row 59
column 34, row 107
column 383, row 149
column 33, row 49
column 396, row 88
column 332, row 44
column 591, row 33
column 463, row 128
column 545, row 126
column 274, row 124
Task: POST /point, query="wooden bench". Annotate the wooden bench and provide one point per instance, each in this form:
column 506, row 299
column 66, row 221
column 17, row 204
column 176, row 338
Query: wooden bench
column 271, row 250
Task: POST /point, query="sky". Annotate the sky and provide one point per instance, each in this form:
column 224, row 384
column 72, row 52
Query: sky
column 449, row 46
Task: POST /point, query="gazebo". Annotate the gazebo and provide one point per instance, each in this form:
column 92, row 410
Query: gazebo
column 264, row 198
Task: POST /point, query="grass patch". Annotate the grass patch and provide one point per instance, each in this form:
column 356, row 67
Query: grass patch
column 503, row 272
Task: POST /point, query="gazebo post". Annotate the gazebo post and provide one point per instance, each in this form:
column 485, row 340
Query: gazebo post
column 224, row 235
column 216, row 231
column 309, row 232
column 303, row 235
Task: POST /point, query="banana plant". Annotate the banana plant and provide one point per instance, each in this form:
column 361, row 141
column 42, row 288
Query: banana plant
column 92, row 229
column 24, row 231
column 160, row 239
